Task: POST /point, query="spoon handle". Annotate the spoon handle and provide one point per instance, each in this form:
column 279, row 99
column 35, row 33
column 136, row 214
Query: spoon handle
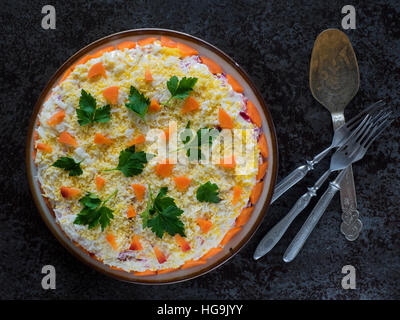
column 298, row 174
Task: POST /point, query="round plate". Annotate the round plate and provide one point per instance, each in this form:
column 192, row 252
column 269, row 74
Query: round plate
column 250, row 91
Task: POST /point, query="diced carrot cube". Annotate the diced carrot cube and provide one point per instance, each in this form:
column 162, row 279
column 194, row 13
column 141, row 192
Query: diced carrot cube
column 100, row 183
column 212, row 65
column 111, row 94
column 66, row 138
column 154, row 105
column 111, row 240
column 182, row 182
column 229, row 235
column 126, row 45
column 34, row 153
column 185, row 246
column 65, row 75
column 100, row 139
column 253, row 113
column 137, row 140
column 146, row 41
column 237, row 192
column 167, row 270
column 159, row 255
column 256, row 192
column 244, row 216
column 164, row 169
column 167, row 42
column 56, row 118
column 262, row 169
column 135, row 243
column 193, row 263
column 228, row 162
column 68, row 192
column 147, row 75
column 96, row 70
column 205, row 225
column 211, row 252
column 190, row 104
column 185, row 50
column 145, row 273
column 131, row 212
column 139, row 190
column 44, row 147
column 225, row 120
column 235, row 85
column 263, row 146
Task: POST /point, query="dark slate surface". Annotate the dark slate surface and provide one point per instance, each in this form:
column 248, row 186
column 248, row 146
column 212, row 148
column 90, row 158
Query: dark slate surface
column 273, row 42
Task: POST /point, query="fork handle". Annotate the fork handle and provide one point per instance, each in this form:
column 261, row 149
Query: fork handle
column 298, row 174
column 312, row 220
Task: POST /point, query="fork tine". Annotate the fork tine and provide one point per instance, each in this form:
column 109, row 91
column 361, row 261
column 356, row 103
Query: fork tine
column 378, row 130
column 355, row 132
column 374, row 123
column 353, row 121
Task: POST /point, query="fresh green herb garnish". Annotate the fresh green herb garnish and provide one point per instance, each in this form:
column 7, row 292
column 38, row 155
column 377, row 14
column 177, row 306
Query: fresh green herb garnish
column 87, row 112
column 94, row 212
column 208, row 192
column 180, row 89
column 162, row 215
column 193, row 144
column 138, row 103
column 69, row 164
column 130, row 162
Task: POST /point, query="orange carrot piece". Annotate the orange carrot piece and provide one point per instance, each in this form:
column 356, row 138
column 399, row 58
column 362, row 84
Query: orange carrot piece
column 147, row 75
column 68, row 192
column 154, row 105
column 44, row 147
column 193, row 263
column 131, row 212
column 229, row 235
column 111, row 240
column 100, row 183
column 185, row 50
column 96, row 70
column 228, row 162
column 254, row 114
column 144, row 273
column 256, row 192
column 262, row 169
column 138, row 140
column 65, row 76
column 146, row 41
column 83, row 60
column 167, row 270
column 139, row 190
column 205, row 225
column 185, row 246
column 126, row 45
column 159, row 255
column 66, row 138
column 99, row 53
column 263, row 146
column 135, row 243
column 225, row 120
column 212, row 65
column 244, row 216
column 182, row 182
column 167, row 42
column 35, row 137
column 190, row 104
column 111, row 94
column 56, row 118
column 233, row 82
column 34, row 153
column 211, row 252
column 164, row 169
column 237, row 192
column 100, row 139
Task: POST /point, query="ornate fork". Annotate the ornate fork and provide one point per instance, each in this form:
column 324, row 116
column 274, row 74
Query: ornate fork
column 276, row 233
column 354, row 151
column 338, row 140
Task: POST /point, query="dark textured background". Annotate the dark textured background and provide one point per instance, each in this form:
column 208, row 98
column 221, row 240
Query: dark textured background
column 272, row 40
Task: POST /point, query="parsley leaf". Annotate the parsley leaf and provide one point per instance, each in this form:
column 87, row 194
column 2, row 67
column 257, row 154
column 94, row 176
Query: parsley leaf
column 208, row 192
column 94, row 212
column 162, row 215
column 130, row 162
column 180, row 88
column 138, row 102
column 69, row 164
column 87, row 112
column 193, row 145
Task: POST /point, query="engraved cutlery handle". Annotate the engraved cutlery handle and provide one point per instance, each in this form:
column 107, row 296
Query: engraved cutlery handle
column 298, row 174
column 312, row 220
